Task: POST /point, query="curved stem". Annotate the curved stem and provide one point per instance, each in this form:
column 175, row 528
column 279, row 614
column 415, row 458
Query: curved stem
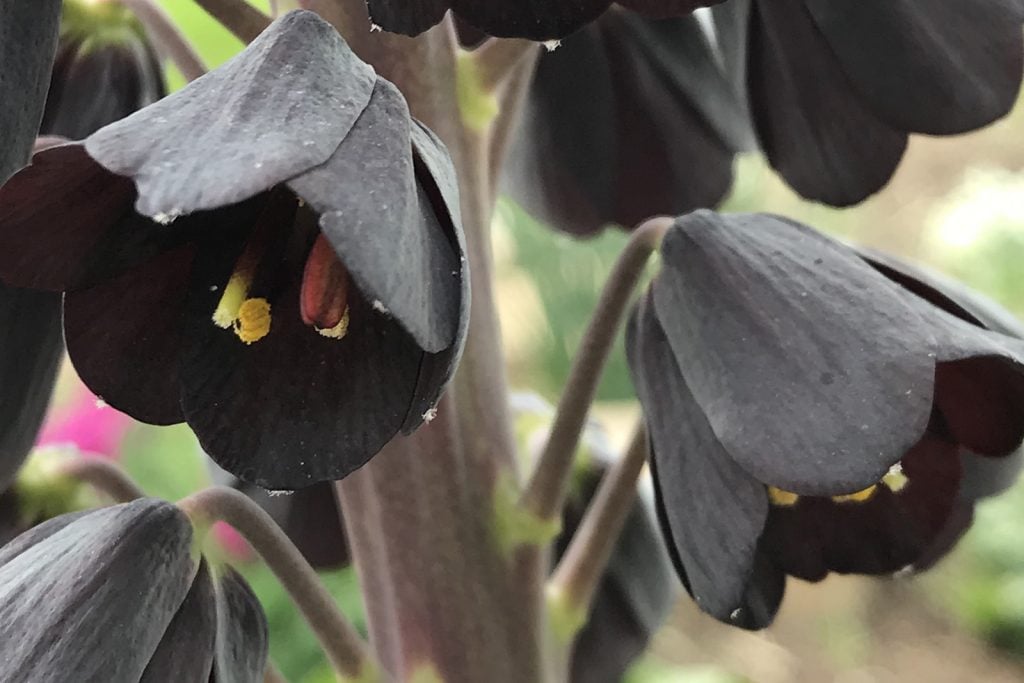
column 547, row 487
column 342, row 644
column 104, row 476
column 242, row 19
column 168, row 38
column 579, row 573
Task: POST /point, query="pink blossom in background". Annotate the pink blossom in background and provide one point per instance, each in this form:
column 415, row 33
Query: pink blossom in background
column 89, row 424
column 233, row 543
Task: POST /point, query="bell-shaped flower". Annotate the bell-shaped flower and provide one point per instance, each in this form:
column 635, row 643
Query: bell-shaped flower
column 105, row 69
column 629, row 117
column 271, row 254
column 115, row 594
column 808, row 412
column 836, row 86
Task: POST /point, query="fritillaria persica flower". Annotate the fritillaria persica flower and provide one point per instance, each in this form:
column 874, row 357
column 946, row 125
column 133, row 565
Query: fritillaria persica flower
column 105, row 69
column 628, row 118
column 836, row 86
column 809, row 412
column 533, row 19
column 272, row 254
column 114, row 594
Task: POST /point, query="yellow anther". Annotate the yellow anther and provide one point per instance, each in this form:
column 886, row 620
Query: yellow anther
column 231, row 301
column 782, row 498
column 338, row 331
column 857, row 496
column 253, row 321
column 895, row 479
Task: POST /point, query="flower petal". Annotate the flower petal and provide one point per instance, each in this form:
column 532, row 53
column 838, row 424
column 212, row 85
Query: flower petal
column 813, row 370
column 295, row 407
column 941, row 67
column 948, row 294
column 28, row 40
column 813, row 127
column 242, row 636
column 383, row 227
column 55, row 213
column 881, row 535
column 532, row 19
column 410, row 17
column 619, row 119
column 711, row 510
column 95, row 597
column 276, row 110
column 186, row 649
column 124, row 337
column 439, row 182
column 30, row 354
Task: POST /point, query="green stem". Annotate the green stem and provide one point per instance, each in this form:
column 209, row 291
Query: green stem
column 242, row 19
column 341, row 642
column 546, row 491
column 104, row 476
column 575, row 580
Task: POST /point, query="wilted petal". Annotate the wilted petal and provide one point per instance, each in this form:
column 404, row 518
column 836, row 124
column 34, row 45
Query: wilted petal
column 242, row 637
column 814, row 371
column 30, row 354
column 940, row 67
column 276, row 110
column 814, row 128
column 28, row 39
column 186, row 651
column 383, row 227
column 710, row 509
column 96, row 596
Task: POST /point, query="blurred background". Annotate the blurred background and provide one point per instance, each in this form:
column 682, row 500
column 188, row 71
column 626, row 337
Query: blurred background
column 955, row 204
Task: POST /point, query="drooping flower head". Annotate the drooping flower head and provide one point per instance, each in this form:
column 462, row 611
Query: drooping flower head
column 105, row 69
column 115, row 594
column 836, row 86
column 809, row 412
column 628, row 118
column 272, row 254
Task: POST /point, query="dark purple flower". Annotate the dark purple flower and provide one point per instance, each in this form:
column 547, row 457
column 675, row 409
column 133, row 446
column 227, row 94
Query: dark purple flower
column 272, row 255
column 810, row 410
column 836, row 86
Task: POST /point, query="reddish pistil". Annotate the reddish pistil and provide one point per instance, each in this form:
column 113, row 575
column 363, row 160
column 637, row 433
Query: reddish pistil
column 324, row 295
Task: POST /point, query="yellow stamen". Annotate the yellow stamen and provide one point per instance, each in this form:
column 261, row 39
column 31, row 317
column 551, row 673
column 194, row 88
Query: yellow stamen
column 231, row 301
column 895, row 479
column 856, row 496
column 782, row 498
column 253, row 321
column 338, row 331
